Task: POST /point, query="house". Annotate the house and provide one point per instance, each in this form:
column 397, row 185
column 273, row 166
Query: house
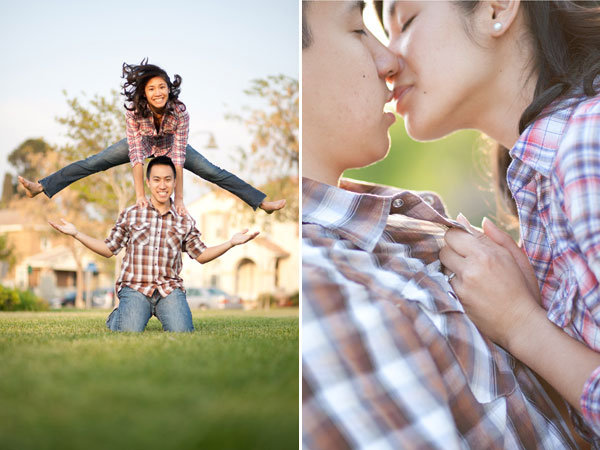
column 267, row 265
column 43, row 263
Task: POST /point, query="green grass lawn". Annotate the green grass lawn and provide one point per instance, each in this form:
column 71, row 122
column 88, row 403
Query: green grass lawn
column 66, row 382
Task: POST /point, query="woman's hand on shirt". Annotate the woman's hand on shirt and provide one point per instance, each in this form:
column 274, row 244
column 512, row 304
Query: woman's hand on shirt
column 494, row 280
column 180, row 207
column 141, row 202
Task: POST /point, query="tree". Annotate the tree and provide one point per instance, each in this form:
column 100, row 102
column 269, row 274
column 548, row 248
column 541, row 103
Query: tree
column 7, row 251
column 70, row 205
column 92, row 203
column 274, row 149
column 8, row 190
column 20, row 161
column 92, row 126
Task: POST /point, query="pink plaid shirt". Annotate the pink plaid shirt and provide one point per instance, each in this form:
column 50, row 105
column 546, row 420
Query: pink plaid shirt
column 153, row 243
column 555, row 180
column 171, row 140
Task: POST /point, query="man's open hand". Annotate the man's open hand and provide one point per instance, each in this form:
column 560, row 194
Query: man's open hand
column 64, row 227
column 242, row 237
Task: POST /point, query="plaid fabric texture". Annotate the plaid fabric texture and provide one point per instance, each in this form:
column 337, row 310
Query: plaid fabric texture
column 389, row 359
column 153, row 243
column 171, row 140
column 555, row 180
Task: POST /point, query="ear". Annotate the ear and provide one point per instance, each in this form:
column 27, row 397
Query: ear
column 147, row 182
column 500, row 15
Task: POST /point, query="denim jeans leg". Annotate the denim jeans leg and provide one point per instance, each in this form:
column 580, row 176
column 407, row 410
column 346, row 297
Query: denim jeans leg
column 133, row 312
column 174, row 312
column 198, row 164
column 112, row 156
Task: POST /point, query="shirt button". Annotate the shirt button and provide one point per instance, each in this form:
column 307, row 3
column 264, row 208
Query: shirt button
column 428, row 199
column 397, row 203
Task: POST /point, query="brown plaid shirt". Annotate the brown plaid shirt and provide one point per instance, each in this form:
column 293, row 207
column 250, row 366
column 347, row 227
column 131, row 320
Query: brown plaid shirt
column 389, row 358
column 153, row 243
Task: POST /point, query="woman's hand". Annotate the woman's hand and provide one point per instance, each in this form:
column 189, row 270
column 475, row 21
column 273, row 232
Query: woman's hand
column 141, row 202
column 493, row 281
column 242, row 237
column 180, row 207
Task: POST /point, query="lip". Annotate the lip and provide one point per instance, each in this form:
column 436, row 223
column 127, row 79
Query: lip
column 399, row 93
column 391, row 117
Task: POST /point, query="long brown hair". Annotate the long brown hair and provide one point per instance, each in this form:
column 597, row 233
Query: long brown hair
column 566, row 37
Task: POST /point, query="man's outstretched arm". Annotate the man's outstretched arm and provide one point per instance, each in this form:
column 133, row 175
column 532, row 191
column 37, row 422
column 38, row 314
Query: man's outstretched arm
column 211, row 253
column 95, row 245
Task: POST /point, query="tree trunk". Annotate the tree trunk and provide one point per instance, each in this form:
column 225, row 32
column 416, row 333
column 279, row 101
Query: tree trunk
column 79, row 303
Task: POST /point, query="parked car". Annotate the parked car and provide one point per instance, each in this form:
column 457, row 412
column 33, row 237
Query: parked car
column 212, row 298
column 101, row 298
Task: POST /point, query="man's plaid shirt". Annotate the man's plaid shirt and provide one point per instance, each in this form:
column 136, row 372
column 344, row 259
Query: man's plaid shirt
column 555, row 180
column 171, row 140
column 153, row 243
column 389, row 358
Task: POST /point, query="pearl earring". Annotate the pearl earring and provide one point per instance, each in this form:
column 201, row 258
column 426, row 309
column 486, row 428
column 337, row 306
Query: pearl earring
column 497, row 26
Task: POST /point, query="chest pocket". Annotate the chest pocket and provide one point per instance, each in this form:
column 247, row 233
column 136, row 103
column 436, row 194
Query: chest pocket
column 140, row 233
column 174, row 240
column 169, row 126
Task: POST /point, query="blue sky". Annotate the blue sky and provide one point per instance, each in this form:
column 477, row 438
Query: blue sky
column 79, row 46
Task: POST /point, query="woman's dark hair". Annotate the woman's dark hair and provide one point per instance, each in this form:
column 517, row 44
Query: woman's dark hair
column 566, row 43
column 136, row 77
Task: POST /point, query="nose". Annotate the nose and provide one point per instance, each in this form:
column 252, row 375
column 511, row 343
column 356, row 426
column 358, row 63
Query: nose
column 388, row 65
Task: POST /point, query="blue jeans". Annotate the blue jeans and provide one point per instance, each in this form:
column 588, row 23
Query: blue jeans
column 135, row 310
column 118, row 154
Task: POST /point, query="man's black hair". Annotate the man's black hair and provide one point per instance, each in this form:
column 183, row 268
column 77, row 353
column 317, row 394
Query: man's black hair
column 163, row 161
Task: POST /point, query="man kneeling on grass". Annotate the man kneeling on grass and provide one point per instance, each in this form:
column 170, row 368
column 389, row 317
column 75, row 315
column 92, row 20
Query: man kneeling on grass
column 154, row 237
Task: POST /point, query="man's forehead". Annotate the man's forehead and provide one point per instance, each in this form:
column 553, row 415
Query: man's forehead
column 340, row 8
column 354, row 5
column 161, row 171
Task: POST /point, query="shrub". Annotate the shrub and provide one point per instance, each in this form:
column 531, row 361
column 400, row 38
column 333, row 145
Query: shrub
column 17, row 300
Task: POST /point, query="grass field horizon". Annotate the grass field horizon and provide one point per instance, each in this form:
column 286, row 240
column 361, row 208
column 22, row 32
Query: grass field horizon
column 67, row 382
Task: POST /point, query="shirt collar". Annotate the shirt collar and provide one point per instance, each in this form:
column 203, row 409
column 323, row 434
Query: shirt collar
column 171, row 209
column 359, row 211
column 538, row 144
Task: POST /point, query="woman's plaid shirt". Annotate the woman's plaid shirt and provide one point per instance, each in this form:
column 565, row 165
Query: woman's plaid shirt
column 171, row 140
column 153, row 243
column 555, row 180
column 389, row 358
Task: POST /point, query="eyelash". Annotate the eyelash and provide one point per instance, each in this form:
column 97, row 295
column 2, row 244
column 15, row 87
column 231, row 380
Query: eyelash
column 361, row 31
column 407, row 23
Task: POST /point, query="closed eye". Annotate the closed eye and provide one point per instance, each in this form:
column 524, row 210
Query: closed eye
column 361, row 31
column 407, row 23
